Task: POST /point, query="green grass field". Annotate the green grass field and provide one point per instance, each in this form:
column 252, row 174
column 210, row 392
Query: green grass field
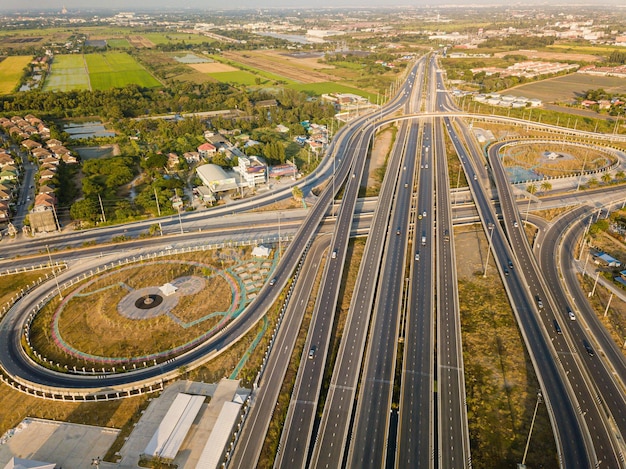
column 11, row 71
column 171, row 37
column 118, row 43
column 239, row 77
column 115, row 70
column 97, row 72
column 330, row 87
column 68, row 72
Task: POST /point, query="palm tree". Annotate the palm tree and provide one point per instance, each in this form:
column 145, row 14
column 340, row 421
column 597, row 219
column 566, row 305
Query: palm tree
column 531, row 188
column 620, row 174
column 606, row 178
column 546, row 186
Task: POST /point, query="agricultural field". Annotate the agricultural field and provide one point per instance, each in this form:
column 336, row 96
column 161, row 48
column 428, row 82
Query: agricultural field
column 11, row 71
column 568, row 87
column 117, row 69
column 172, row 37
column 239, row 77
column 279, row 66
column 331, row 87
column 68, row 72
column 118, row 43
column 97, row 72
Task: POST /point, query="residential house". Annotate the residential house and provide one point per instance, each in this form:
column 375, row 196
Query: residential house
column 53, row 142
column 40, row 153
column 192, row 157
column 45, row 175
column 69, row 159
column 5, row 213
column 172, row 160
column 46, row 189
column 8, row 176
column 6, row 160
column 44, row 202
column 207, row 150
column 31, row 144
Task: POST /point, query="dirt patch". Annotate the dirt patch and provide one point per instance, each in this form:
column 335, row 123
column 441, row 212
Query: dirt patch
column 140, row 42
column 380, row 150
column 213, row 67
column 470, row 241
column 278, row 65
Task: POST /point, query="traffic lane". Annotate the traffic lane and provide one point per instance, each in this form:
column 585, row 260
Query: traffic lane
column 535, row 341
column 252, row 436
column 602, row 378
column 598, row 430
column 304, row 398
column 369, row 437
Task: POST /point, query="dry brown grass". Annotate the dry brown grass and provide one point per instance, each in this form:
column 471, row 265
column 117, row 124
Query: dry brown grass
column 140, row 42
column 615, row 320
column 114, row 414
column 213, row 67
column 552, row 213
column 278, row 66
column 531, row 156
column 12, row 284
column 93, row 325
column 500, row 382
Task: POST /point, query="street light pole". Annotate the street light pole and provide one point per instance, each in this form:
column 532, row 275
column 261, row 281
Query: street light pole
column 279, row 239
column 491, row 230
column 532, row 424
column 54, row 273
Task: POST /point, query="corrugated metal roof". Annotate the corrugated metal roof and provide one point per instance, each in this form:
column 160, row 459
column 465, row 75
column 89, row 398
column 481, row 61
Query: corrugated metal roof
column 213, row 451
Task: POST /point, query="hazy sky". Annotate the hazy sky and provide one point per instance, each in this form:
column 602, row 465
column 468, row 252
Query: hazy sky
column 126, row 5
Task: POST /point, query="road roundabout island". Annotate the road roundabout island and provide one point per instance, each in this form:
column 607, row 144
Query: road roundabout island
column 123, row 328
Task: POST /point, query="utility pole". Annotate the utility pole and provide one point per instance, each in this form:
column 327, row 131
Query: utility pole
column 279, row 238
column 491, row 227
column 530, row 432
column 104, row 217
column 606, row 311
column 156, row 197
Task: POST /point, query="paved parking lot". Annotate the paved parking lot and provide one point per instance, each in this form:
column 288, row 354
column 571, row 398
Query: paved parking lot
column 68, row 445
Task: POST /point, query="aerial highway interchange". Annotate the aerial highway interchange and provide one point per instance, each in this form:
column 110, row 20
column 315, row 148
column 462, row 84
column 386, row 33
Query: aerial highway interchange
column 405, row 293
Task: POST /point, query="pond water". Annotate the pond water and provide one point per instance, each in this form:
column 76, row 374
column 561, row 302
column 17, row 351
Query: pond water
column 92, row 153
column 87, row 130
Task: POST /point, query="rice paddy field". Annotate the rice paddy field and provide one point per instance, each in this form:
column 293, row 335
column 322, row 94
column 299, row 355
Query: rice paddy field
column 117, row 69
column 118, row 43
column 68, row 72
column 97, row 72
column 11, row 71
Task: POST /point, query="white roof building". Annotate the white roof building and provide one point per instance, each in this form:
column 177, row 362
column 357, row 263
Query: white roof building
column 174, row 427
column 216, row 178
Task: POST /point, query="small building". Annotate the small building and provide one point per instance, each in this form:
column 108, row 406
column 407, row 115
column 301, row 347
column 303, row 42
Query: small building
column 261, row 251
column 207, row 150
column 192, row 157
column 168, row 289
column 252, row 170
column 607, row 260
column 216, row 178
